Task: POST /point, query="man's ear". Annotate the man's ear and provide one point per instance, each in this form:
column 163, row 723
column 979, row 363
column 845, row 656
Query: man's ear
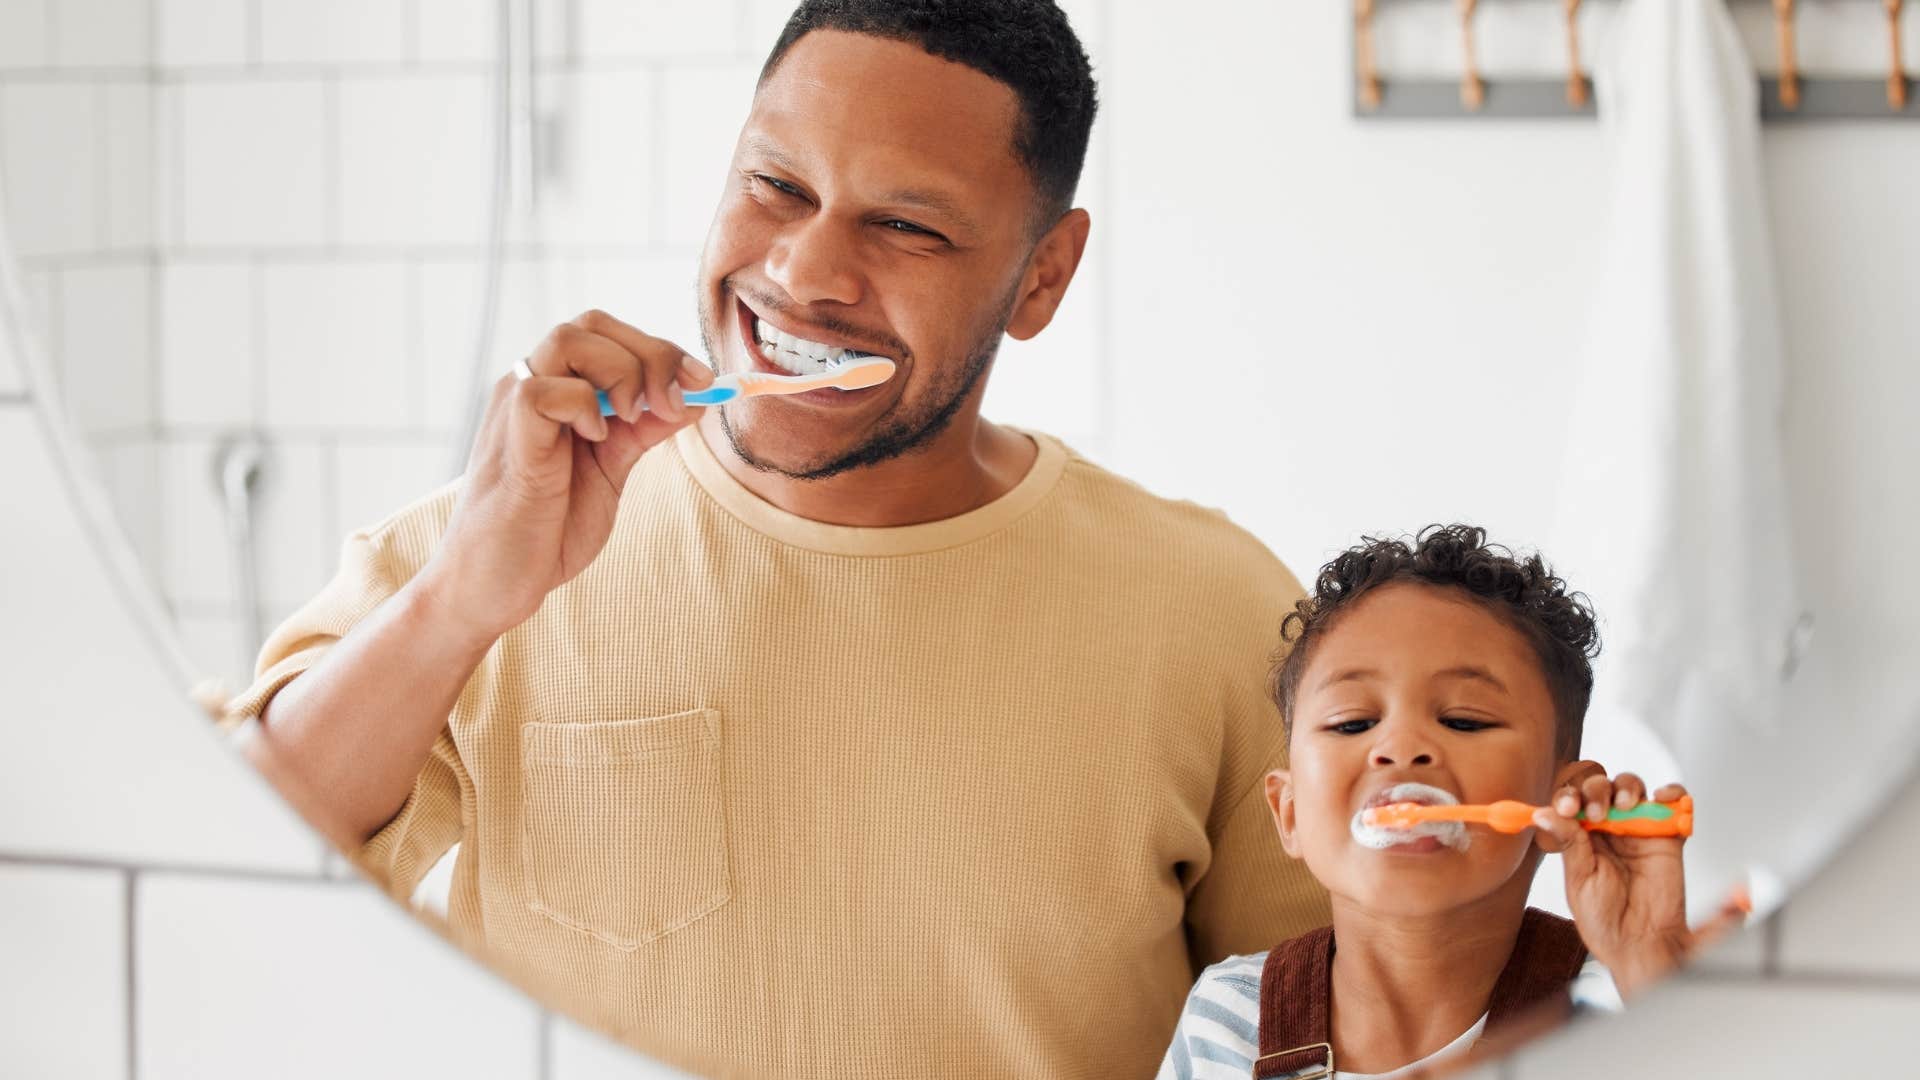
column 1280, row 802
column 1044, row 284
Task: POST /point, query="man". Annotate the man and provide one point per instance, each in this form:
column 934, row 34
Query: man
column 839, row 735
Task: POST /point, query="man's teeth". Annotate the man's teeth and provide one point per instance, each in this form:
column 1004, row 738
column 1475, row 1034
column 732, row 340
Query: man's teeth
column 797, row 354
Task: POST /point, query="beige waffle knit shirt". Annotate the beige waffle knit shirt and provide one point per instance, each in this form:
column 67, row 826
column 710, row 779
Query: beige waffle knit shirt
column 768, row 797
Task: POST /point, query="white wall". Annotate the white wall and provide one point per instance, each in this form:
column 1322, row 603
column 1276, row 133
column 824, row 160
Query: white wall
column 303, row 265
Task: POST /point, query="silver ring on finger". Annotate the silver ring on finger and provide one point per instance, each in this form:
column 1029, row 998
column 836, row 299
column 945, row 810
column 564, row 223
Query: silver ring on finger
column 522, row 370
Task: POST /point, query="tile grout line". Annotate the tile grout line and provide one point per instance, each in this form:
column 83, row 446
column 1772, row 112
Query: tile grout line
column 235, row 873
column 657, row 215
column 543, row 1046
column 255, row 36
column 133, row 971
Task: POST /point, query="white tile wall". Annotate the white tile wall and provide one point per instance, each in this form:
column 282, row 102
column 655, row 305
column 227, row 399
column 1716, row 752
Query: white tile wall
column 195, row 557
column 454, row 30
column 703, row 110
column 100, row 753
column 662, row 28
column 130, row 467
column 126, row 111
column 23, row 34
column 319, row 980
column 202, row 32
column 101, row 33
column 655, row 293
column 414, row 159
column 251, row 162
column 339, row 31
column 299, row 539
column 764, row 21
column 375, row 479
column 106, row 346
column 296, row 540
column 63, row 937
column 580, row 1054
column 597, row 183
column 50, row 157
column 13, row 372
column 535, row 295
column 335, row 336
column 208, row 334
column 215, row 646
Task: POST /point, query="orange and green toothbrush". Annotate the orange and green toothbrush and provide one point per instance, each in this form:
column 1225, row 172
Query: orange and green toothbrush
column 1647, row 819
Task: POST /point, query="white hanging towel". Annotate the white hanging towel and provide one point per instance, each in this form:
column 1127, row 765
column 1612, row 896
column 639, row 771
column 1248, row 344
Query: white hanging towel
column 1674, row 513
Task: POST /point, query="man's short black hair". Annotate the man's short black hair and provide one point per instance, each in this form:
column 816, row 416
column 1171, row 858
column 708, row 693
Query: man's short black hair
column 1521, row 591
column 1026, row 44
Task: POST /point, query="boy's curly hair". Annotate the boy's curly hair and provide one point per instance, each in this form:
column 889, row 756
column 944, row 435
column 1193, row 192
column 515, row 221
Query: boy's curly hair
column 1522, row 591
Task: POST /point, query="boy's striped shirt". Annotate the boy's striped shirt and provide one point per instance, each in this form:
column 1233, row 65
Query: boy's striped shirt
column 1219, row 1032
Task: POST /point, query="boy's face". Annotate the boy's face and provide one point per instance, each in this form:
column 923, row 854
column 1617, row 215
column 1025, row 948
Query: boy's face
column 1414, row 684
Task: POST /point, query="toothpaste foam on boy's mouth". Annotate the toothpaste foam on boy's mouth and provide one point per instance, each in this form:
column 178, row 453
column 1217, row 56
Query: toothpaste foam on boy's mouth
column 1451, row 833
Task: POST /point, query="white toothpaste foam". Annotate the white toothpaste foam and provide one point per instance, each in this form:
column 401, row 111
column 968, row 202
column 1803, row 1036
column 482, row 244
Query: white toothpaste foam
column 1451, row 833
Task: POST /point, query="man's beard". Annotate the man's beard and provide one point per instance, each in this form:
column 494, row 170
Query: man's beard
column 900, row 435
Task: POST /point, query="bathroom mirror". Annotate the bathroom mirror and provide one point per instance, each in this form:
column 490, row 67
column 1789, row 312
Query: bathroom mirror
column 276, row 252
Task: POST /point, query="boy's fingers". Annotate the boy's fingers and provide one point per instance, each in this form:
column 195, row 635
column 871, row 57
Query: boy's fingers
column 1628, row 790
column 1597, row 792
column 1567, row 802
column 1565, row 836
column 1669, row 793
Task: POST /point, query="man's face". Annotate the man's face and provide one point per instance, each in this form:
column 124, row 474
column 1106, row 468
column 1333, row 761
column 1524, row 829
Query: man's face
column 1414, row 684
column 874, row 203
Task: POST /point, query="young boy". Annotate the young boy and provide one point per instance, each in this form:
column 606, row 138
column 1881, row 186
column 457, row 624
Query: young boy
column 1443, row 671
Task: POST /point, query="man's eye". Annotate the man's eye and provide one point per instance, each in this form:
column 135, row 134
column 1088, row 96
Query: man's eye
column 1351, row 727
column 778, row 185
column 1464, row 723
column 909, row 228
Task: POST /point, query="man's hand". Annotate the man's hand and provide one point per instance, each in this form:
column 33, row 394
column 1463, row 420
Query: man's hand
column 1627, row 893
column 544, row 479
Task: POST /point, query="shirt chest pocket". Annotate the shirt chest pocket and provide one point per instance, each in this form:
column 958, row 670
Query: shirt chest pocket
column 624, row 835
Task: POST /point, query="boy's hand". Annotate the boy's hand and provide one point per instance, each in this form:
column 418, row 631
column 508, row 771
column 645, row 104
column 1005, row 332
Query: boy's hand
column 1627, row 893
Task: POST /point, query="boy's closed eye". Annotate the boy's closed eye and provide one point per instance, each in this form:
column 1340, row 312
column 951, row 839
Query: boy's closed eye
column 1456, row 723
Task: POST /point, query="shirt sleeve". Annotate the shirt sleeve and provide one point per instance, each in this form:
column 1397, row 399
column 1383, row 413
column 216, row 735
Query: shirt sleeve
column 1219, row 1027
column 362, row 583
column 431, row 821
column 1252, row 893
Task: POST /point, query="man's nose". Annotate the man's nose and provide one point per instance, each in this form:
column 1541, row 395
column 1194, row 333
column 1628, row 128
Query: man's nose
column 813, row 262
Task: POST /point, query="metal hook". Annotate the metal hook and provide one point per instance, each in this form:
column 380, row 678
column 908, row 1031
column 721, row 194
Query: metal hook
column 1577, row 86
column 1364, row 61
column 1897, row 74
column 1789, row 67
column 1473, row 89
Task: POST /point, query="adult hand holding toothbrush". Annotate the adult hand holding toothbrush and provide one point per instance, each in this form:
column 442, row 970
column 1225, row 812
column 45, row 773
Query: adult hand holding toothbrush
column 544, row 479
column 542, row 490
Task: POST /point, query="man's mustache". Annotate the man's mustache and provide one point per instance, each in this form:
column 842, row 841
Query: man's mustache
column 868, row 340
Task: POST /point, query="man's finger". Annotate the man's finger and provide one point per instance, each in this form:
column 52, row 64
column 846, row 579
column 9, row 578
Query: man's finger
column 662, row 362
column 566, row 402
column 569, row 349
